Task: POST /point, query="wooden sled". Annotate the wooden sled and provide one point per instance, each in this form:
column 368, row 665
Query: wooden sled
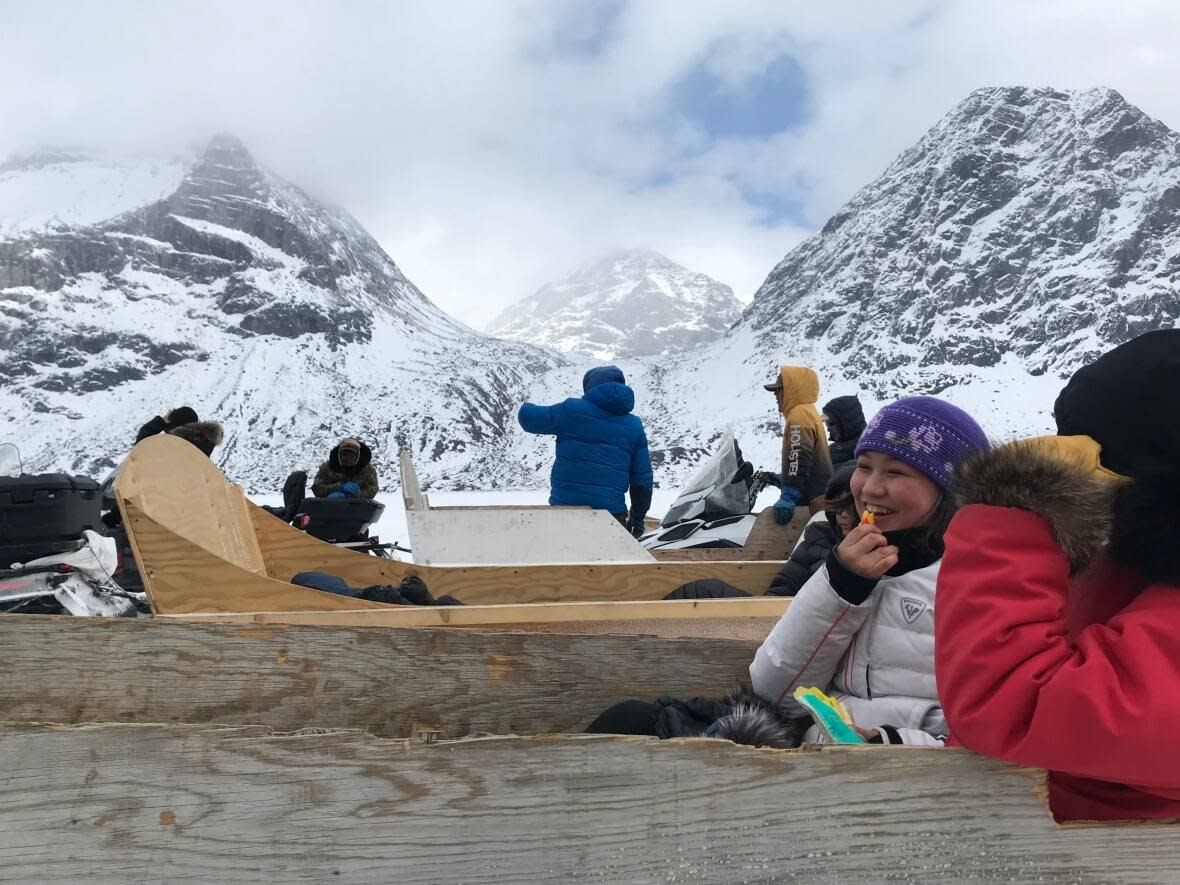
column 202, row 547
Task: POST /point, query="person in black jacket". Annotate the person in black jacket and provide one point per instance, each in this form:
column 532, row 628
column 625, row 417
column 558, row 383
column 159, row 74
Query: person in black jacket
column 845, row 419
column 176, row 418
column 820, row 536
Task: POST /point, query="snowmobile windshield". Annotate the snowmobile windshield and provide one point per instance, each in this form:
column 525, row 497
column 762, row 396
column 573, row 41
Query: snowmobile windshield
column 10, row 463
column 720, row 487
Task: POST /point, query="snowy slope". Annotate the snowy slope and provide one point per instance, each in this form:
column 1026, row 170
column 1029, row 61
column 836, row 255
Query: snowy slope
column 240, row 295
column 63, row 188
column 634, row 303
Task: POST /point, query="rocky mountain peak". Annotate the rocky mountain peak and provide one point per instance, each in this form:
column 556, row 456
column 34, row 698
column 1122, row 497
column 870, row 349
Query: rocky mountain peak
column 630, row 303
column 235, row 292
column 1029, row 225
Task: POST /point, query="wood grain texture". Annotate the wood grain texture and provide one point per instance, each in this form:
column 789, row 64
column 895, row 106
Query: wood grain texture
column 197, row 804
column 750, row 618
column 389, row 681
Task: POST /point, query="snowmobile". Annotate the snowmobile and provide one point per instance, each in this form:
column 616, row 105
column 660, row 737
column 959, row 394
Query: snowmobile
column 52, row 559
column 341, row 521
column 715, row 508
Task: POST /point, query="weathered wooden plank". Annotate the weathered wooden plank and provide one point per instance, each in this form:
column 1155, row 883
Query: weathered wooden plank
column 198, row 804
column 389, row 681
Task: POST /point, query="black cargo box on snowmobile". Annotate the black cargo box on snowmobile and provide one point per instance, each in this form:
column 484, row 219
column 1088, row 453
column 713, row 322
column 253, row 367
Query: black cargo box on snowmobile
column 46, row 508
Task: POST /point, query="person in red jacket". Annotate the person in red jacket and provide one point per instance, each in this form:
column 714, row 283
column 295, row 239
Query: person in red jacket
column 1057, row 631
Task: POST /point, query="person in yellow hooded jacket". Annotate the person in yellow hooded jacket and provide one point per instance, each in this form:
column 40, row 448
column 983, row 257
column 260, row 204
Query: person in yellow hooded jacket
column 807, row 463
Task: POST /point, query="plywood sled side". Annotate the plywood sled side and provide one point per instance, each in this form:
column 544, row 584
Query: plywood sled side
column 288, row 551
column 183, row 803
column 173, row 483
column 386, row 680
column 181, row 577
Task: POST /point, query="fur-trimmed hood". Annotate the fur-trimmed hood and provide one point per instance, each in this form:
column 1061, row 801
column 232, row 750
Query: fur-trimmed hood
column 1062, row 479
column 756, row 722
column 363, row 461
column 205, row 435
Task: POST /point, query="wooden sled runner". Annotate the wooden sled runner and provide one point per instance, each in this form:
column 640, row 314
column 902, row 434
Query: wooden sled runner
column 202, row 547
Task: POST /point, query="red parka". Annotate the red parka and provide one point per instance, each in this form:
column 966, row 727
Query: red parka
column 1079, row 675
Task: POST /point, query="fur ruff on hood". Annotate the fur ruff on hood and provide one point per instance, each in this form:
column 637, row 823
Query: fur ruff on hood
column 1086, row 506
column 757, row 722
column 205, row 435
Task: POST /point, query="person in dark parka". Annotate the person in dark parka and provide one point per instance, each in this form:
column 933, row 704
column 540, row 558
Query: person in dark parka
column 819, row 537
column 348, row 472
column 845, row 420
column 178, row 417
column 601, row 448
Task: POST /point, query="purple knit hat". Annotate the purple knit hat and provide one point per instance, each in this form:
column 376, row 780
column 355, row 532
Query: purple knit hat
column 927, row 433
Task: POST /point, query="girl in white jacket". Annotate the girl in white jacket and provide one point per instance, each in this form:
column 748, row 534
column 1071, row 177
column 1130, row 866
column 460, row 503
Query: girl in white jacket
column 862, row 628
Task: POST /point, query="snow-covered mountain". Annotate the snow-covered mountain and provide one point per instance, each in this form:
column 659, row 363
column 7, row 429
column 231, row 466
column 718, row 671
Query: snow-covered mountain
column 133, row 287
column 1027, row 232
column 634, row 303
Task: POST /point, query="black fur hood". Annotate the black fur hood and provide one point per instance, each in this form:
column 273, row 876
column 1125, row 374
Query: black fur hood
column 205, row 435
column 756, row 722
column 1088, row 507
column 363, row 461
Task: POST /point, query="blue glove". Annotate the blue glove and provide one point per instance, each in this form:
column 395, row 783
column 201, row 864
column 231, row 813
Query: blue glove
column 337, row 495
column 784, row 507
column 350, row 488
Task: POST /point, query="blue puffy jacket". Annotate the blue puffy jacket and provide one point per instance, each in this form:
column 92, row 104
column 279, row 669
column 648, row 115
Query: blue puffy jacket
column 601, row 446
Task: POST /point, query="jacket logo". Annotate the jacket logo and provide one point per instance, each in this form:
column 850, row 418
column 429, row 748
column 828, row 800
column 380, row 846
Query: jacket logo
column 911, row 609
column 796, row 442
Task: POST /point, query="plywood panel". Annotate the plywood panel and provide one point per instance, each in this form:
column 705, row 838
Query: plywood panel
column 172, row 482
column 289, row 551
column 385, row 680
column 190, row 804
column 181, row 577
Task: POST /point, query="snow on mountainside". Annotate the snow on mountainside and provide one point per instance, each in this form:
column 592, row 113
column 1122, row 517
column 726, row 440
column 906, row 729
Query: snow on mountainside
column 63, row 188
column 238, row 294
column 1027, row 232
column 635, row 303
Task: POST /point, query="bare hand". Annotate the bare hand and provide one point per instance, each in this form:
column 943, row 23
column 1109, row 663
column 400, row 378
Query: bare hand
column 869, row 734
column 867, row 552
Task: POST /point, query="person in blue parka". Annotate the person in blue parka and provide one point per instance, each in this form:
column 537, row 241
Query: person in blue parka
column 601, row 448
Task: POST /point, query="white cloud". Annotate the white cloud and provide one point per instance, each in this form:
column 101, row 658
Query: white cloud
column 492, row 147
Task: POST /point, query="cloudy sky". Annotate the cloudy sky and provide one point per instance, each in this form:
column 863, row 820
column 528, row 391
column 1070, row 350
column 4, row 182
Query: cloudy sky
column 494, row 145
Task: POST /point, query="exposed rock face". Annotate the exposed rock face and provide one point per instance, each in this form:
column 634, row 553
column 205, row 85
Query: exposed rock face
column 1029, row 224
column 635, row 303
column 240, row 295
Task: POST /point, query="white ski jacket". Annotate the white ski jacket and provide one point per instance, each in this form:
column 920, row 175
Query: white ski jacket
column 877, row 658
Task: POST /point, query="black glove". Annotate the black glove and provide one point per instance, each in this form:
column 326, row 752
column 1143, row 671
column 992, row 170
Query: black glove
column 640, row 504
column 415, row 591
column 770, row 478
